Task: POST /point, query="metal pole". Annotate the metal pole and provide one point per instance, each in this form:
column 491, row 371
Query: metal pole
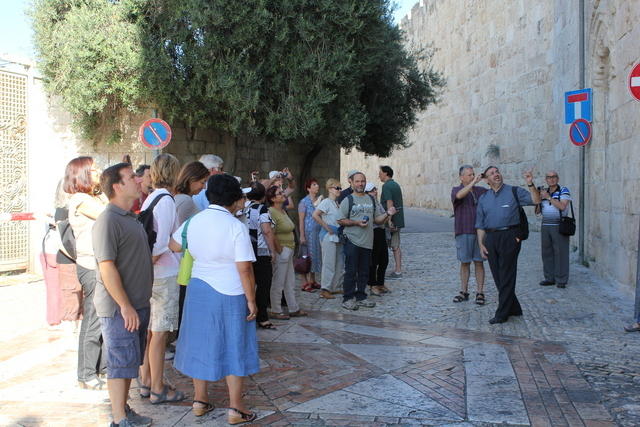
column 154, row 114
column 581, row 49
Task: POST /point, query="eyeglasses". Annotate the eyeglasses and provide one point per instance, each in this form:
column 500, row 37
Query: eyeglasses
column 551, row 176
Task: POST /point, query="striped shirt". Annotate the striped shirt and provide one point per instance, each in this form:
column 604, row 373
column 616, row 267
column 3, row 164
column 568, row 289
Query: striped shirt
column 551, row 214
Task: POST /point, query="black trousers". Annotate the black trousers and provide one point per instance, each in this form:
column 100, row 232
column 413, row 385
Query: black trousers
column 91, row 350
column 503, row 261
column 379, row 258
column 263, row 271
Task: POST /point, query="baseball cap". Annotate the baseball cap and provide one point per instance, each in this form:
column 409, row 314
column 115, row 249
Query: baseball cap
column 370, row 186
column 246, row 190
column 273, row 174
column 352, row 172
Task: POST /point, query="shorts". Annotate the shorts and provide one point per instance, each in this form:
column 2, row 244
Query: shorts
column 165, row 296
column 394, row 241
column 125, row 350
column 467, row 248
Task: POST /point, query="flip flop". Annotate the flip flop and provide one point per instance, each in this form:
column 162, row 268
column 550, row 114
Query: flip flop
column 308, row 287
column 162, row 397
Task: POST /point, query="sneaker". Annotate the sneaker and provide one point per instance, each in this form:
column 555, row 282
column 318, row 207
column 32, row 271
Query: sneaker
column 394, row 275
column 136, row 419
column 385, row 290
column 366, row 303
column 350, row 304
column 561, row 285
column 93, row 384
column 169, row 355
column 123, row 423
column 547, row 283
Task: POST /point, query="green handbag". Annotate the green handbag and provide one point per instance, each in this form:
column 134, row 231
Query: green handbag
column 186, row 263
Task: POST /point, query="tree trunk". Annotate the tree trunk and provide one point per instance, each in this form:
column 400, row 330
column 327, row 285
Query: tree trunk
column 305, row 172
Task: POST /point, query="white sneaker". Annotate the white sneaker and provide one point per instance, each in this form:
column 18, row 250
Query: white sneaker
column 366, row 303
column 350, row 304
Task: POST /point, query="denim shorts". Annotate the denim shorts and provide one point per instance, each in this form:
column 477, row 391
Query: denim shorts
column 125, row 350
column 468, row 249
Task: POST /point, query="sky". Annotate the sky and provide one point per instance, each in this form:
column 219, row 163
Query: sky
column 15, row 27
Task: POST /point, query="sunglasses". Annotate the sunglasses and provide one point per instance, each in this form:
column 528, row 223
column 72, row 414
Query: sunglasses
column 551, row 176
column 337, row 188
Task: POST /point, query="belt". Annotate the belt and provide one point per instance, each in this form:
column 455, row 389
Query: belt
column 493, row 230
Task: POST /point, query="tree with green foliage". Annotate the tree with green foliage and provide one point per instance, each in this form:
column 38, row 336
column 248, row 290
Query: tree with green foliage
column 313, row 72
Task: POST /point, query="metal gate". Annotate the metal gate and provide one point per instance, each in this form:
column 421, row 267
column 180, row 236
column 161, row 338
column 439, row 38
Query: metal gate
column 14, row 235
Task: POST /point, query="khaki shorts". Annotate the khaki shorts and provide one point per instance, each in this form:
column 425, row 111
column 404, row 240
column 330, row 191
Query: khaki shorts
column 164, row 305
column 394, row 242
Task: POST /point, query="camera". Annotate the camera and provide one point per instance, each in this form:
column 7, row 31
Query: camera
column 365, row 218
column 482, row 175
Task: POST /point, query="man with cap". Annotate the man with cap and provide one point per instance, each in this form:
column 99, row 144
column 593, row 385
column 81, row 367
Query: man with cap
column 344, row 193
column 498, row 219
column 358, row 211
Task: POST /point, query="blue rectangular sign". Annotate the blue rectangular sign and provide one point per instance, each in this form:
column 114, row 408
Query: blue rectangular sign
column 578, row 105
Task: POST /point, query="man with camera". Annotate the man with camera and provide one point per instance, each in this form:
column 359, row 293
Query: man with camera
column 498, row 229
column 358, row 211
column 555, row 246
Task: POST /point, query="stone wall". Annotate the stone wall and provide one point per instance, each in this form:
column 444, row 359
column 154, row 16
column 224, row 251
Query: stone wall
column 52, row 142
column 507, row 66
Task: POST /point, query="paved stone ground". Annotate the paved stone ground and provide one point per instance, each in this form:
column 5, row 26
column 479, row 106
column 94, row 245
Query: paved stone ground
column 416, row 358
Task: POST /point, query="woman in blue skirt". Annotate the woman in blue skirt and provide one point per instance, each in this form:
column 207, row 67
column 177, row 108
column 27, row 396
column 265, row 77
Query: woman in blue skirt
column 218, row 331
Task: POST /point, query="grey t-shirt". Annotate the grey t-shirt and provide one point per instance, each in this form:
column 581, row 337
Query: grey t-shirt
column 500, row 209
column 362, row 206
column 185, row 207
column 119, row 237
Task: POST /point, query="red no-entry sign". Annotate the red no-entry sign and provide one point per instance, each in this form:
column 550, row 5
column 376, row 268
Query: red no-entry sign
column 634, row 82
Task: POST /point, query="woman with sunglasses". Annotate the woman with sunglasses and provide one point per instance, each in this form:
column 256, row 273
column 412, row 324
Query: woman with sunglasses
column 327, row 214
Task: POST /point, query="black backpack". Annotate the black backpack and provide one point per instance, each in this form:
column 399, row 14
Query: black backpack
column 146, row 219
column 523, row 227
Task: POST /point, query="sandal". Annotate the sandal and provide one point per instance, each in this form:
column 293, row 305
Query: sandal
column 316, row 285
column 239, row 417
column 308, row 287
column 162, row 397
column 280, row 316
column 464, row 296
column 480, row 298
column 266, row 325
column 143, row 389
column 298, row 313
column 199, row 411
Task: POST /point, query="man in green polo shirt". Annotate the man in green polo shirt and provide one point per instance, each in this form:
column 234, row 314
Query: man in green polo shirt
column 392, row 197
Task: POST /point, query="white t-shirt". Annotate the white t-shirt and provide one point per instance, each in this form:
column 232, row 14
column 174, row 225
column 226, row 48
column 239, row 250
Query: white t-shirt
column 217, row 240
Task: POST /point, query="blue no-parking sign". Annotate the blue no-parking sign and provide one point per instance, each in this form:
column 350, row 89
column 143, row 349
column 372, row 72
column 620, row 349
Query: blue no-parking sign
column 154, row 134
column 580, row 132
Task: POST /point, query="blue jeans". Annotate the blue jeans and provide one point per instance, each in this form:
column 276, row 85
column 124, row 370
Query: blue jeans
column 356, row 271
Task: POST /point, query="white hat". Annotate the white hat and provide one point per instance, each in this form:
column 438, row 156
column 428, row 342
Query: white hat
column 274, row 174
column 352, row 172
column 370, row 186
column 246, row 190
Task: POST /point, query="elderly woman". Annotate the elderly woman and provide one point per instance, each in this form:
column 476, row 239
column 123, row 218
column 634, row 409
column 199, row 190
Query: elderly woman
column 82, row 181
column 327, row 214
column 165, row 292
column 309, row 230
column 284, row 277
column 218, row 337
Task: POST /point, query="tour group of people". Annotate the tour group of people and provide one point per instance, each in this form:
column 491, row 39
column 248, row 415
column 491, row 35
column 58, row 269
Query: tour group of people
column 136, row 231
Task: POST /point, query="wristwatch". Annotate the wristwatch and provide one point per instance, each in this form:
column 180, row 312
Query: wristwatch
column 531, row 185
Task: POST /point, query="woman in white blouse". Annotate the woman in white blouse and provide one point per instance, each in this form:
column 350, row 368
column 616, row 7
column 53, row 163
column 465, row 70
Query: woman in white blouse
column 165, row 293
column 218, row 335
